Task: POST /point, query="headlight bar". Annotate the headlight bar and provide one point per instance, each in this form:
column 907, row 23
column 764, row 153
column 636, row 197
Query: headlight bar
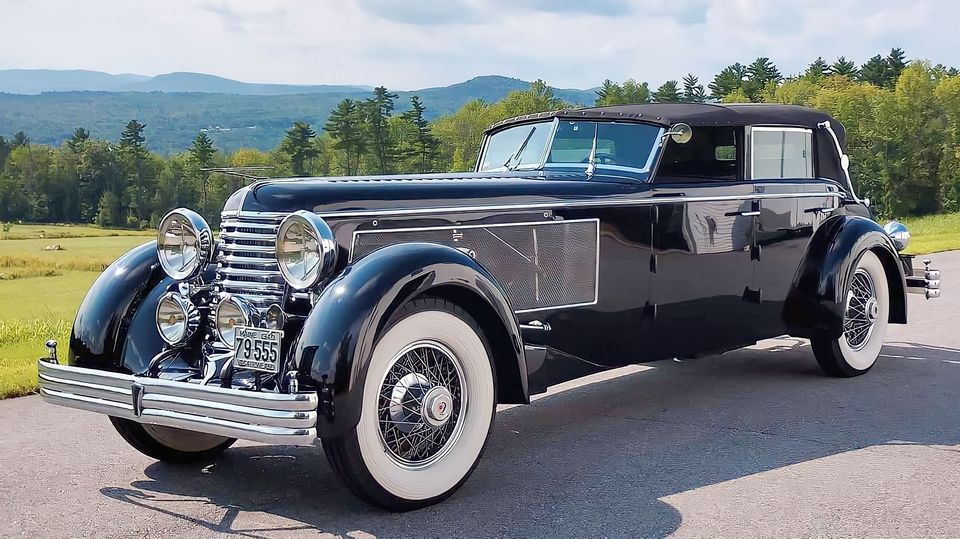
column 184, row 244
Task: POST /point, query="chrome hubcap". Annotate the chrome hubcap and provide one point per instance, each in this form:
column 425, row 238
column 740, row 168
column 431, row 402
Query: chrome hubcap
column 420, row 403
column 862, row 310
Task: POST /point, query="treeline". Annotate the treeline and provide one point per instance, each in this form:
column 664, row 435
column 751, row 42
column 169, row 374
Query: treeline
column 902, row 120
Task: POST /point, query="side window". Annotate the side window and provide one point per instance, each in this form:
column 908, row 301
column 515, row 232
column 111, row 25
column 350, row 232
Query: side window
column 781, row 153
column 711, row 154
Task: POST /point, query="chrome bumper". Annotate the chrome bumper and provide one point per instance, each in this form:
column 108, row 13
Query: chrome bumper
column 924, row 281
column 272, row 418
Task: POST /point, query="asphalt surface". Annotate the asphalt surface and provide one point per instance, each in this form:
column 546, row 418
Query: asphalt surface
column 755, row 442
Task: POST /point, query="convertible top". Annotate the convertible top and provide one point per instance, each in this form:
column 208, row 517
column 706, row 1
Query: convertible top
column 694, row 114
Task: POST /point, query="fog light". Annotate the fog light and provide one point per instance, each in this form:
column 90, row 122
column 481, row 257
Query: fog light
column 177, row 318
column 234, row 311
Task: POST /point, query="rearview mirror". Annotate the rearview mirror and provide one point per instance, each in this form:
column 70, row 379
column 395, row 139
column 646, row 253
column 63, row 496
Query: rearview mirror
column 680, row 133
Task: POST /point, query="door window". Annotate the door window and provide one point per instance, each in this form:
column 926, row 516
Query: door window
column 781, row 153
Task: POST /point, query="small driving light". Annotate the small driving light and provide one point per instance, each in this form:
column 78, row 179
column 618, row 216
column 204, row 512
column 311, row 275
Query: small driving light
column 898, row 233
column 177, row 318
column 306, row 249
column 184, row 244
column 233, row 311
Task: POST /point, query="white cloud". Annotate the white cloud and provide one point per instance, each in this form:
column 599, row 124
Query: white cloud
column 411, row 44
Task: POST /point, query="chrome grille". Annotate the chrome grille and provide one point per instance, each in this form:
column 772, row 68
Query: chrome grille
column 247, row 261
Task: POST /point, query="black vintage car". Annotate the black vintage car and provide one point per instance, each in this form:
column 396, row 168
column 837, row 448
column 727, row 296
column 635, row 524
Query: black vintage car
column 384, row 318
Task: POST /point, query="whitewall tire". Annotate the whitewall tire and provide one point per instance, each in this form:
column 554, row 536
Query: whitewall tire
column 866, row 314
column 429, row 399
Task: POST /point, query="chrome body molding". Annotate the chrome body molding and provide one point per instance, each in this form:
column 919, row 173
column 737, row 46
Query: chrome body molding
column 272, row 418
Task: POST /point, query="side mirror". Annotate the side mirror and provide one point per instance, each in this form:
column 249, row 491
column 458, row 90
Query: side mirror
column 680, row 133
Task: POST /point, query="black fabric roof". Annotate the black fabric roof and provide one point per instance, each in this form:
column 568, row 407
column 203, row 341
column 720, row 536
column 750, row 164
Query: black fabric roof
column 695, row 114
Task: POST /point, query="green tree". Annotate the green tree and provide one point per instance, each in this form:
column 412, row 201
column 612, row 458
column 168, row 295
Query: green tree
column 628, row 93
column 693, row 91
column 79, row 138
column 760, row 74
column 844, row 68
column 298, row 145
column 876, row 71
column 897, row 61
column 817, row 70
column 668, row 92
column 729, row 79
column 109, row 210
column 423, row 150
column 376, row 115
column 20, row 139
column 201, row 155
column 345, row 126
column 132, row 148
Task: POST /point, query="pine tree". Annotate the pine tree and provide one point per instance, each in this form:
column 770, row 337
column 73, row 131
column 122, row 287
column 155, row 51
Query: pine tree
column 844, row 67
column 298, row 145
column 345, row 126
column 630, row 92
column 693, row 91
column 134, row 152
column 376, row 113
column 817, row 70
column 876, row 71
column 77, row 141
column 20, row 139
column 201, row 153
column 728, row 80
column 761, row 73
column 668, row 92
column 897, row 61
column 423, row 151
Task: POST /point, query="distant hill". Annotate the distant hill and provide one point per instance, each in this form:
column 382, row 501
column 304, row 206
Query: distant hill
column 35, row 81
column 233, row 118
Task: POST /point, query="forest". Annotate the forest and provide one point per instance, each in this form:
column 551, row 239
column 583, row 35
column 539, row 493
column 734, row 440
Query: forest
column 902, row 119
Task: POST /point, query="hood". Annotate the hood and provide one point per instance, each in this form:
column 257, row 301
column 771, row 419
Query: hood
column 349, row 195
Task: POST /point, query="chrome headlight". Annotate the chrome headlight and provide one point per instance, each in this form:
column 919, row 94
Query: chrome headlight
column 898, row 233
column 233, row 311
column 184, row 244
column 177, row 318
column 306, row 249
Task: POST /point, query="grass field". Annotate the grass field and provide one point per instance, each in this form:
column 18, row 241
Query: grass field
column 40, row 290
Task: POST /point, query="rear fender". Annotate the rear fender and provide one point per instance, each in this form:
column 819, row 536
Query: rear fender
column 816, row 302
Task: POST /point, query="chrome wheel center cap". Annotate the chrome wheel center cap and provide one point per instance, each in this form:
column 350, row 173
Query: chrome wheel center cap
column 437, row 406
column 873, row 309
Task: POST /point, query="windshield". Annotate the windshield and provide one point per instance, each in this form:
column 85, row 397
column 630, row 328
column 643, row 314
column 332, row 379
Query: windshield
column 571, row 143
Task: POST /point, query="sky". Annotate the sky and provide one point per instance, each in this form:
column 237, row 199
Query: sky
column 412, row 44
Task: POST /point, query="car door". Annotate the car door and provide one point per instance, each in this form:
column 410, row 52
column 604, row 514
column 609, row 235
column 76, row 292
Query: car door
column 781, row 168
column 703, row 235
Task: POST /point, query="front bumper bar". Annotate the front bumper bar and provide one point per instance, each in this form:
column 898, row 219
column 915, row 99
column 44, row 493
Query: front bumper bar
column 272, row 418
column 924, row 281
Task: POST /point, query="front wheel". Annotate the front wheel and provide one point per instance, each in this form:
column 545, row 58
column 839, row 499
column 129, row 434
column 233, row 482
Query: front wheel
column 865, row 316
column 428, row 405
column 170, row 444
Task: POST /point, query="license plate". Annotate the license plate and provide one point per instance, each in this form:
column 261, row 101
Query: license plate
column 258, row 349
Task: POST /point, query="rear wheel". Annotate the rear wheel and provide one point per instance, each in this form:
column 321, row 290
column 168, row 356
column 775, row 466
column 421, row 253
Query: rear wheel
column 428, row 404
column 866, row 312
column 171, row 444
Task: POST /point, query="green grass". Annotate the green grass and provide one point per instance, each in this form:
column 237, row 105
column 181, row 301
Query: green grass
column 41, row 290
column 57, row 231
column 934, row 233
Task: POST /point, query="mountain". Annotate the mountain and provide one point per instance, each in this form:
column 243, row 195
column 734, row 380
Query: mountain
column 234, row 114
column 35, row 81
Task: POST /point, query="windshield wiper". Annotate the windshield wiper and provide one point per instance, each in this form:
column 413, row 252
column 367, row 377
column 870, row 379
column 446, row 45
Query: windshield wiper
column 518, row 151
column 592, row 159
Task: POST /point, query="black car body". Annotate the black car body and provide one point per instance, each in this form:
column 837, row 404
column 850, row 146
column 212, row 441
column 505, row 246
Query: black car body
column 585, row 240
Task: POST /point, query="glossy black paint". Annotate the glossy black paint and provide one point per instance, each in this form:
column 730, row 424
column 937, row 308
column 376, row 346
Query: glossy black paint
column 815, row 303
column 108, row 333
column 334, row 348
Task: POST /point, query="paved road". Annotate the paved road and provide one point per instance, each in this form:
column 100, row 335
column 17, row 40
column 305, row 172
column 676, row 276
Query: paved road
column 752, row 443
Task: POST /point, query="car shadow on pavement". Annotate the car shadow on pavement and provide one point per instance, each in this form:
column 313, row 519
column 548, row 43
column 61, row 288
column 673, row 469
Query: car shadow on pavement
column 598, row 459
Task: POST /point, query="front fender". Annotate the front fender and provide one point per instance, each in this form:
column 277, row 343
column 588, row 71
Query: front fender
column 816, row 301
column 339, row 335
column 111, row 331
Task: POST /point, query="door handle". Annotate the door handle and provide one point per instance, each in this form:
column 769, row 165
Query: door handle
column 750, row 213
column 820, row 210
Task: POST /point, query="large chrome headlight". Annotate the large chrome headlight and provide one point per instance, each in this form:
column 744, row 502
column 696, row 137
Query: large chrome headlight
column 898, row 233
column 184, row 244
column 306, row 249
column 233, row 311
column 177, row 318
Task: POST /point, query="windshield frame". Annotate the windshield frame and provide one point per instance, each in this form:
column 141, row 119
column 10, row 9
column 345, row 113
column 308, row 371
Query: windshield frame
column 542, row 163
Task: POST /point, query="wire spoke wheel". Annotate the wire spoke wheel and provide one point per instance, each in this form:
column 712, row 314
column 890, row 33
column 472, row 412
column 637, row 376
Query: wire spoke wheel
column 420, row 403
column 861, row 311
